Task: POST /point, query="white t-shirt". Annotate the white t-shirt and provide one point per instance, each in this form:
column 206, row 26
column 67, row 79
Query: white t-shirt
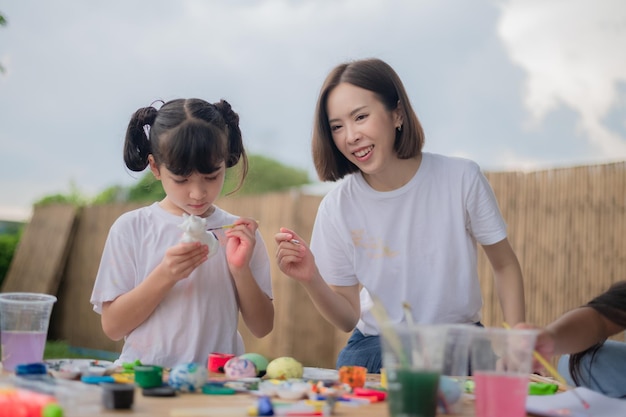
column 200, row 313
column 416, row 244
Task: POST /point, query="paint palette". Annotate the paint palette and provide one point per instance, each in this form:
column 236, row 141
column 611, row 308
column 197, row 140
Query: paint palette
column 320, row 374
column 75, row 368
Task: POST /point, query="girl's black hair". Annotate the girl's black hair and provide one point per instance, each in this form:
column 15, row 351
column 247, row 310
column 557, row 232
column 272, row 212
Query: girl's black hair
column 612, row 305
column 186, row 135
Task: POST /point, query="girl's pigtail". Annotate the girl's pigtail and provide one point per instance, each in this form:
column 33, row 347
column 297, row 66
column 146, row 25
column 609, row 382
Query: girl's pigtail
column 236, row 150
column 137, row 144
column 235, row 140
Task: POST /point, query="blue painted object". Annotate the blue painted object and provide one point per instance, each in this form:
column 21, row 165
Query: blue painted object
column 31, row 369
column 89, row 379
column 265, row 406
column 188, row 377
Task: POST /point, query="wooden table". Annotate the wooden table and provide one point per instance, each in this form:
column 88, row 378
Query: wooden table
column 198, row 404
column 188, row 405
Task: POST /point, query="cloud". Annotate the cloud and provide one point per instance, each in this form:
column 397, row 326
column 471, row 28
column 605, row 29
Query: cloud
column 573, row 56
column 76, row 71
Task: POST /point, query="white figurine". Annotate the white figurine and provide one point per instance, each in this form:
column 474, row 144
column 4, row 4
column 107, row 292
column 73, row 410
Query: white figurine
column 194, row 229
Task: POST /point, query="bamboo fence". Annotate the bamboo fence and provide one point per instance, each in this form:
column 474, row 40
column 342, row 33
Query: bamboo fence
column 567, row 226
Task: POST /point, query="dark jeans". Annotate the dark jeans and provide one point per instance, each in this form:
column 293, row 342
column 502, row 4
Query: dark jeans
column 364, row 351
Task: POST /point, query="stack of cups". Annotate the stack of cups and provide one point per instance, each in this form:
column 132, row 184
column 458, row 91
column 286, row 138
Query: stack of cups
column 24, row 319
column 456, row 367
column 427, row 367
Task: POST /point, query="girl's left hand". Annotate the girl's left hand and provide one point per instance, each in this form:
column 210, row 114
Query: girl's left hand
column 241, row 241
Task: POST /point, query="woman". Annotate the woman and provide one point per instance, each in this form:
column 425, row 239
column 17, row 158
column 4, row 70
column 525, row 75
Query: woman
column 402, row 227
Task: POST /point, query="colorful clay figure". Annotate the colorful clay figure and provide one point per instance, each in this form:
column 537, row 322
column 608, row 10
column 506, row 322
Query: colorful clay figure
column 188, row 377
column 260, row 362
column 353, row 376
column 238, row 367
column 284, row 367
column 194, row 228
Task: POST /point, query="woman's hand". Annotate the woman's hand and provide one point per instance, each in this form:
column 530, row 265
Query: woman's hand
column 294, row 257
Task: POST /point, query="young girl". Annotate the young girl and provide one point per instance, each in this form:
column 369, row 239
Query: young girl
column 402, row 226
column 595, row 362
column 174, row 302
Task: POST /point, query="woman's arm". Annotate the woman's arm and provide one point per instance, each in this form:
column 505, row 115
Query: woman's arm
column 508, row 280
column 340, row 305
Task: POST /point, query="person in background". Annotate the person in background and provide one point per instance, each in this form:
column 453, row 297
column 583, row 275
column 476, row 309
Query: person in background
column 173, row 301
column 402, row 227
column 580, row 336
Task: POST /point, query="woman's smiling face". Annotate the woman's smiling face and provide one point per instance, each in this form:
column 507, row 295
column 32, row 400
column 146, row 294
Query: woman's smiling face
column 363, row 130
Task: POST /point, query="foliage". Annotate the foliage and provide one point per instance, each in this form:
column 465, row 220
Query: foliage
column 74, row 197
column 264, row 175
column 3, row 22
column 8, row 245
column 60, row 349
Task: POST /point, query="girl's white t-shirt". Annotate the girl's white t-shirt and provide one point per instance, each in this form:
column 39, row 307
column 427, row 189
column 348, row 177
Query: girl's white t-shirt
column 200, row 313
column 415, row 244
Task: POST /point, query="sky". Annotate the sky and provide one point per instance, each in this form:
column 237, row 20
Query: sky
column 512, row 84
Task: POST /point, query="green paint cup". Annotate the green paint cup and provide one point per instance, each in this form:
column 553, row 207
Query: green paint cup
column 148, row 376
column 413, row 361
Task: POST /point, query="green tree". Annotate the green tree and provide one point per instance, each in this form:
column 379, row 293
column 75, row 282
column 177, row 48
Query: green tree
column 264, row 175
column 74, row 197
column 3, row 22
column 8, row 244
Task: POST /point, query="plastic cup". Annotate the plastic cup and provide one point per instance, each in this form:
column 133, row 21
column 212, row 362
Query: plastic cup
column 412, row 359
column 24, row 320
column 501, row 364
column 456, row 364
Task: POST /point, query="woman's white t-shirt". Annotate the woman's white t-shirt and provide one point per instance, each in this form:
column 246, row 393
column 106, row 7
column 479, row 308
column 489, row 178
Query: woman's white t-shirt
column 415, row 244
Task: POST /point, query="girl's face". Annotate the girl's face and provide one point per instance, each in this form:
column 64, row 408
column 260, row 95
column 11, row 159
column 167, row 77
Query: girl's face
column 194, row 194
column 363, row 129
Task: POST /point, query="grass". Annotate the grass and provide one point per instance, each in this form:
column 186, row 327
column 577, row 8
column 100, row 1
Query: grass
column 59, row 349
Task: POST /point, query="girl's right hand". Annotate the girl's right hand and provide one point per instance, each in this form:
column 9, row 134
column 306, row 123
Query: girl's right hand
column 180, row 260
column 544, row 344
column 294, row 257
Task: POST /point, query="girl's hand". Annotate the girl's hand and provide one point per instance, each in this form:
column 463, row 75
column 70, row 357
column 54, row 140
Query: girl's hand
column 179, row 261
column 240, row 243
column 544, row 345
column 294, row 257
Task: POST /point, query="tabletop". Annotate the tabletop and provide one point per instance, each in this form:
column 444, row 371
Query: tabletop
column 90, row 403
column 196, row 404
column 191, row 405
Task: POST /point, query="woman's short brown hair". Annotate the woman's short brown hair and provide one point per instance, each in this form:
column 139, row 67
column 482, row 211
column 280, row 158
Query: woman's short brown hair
column 377, row 76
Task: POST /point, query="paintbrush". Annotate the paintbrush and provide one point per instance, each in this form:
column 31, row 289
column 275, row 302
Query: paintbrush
column 226, row 226
column 408, row 316
column 554, row 372
column 387, row 332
